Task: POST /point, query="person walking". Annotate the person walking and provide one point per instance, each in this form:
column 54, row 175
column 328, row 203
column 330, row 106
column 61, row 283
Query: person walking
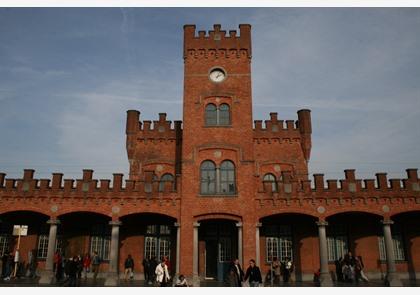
column 162, row 274
column 287, row 270
column 238, row 273
column 358, row 268
column 86, row 264
column 72, row 271
column 276, row 270
column 253, row 273
column 128, row 267
column 96, row 261
column 146, row 269
column 152, row 269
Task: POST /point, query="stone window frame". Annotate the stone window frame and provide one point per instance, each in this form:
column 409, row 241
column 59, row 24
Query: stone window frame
column 273, row 181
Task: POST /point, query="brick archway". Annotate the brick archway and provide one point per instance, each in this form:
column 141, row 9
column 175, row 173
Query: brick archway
column 225, row 216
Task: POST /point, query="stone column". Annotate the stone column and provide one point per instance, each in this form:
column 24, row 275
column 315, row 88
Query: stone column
column 178, row 240
column 196, row 279
column 240, row 252
column 257, row 244
column 325, row 277
column 392, row 279
column 47, row 275
column 112, row 277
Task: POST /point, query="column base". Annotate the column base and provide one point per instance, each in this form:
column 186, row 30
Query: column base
column 196, row 281
column 325, row 280
column 47, row 277
column 111, row 280
column 393, row 280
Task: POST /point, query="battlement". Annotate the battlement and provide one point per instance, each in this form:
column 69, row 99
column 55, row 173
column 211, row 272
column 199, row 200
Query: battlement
column 217, row 43
column 350, row 185
column 151, row 129
column 289, row 130
column 30, row 187
column 274, row 125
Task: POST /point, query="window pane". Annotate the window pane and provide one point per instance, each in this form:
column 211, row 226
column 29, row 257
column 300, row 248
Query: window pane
column 42, row 246
column 150, row 247
column 227, row 178
column 208, row 177
column 225, row 249
column 211, row 115
column 164, row 179
column 398, row 248
column 4, row 244
column 270, row 178
column 224, row 115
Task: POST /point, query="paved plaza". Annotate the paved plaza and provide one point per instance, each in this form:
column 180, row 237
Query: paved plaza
column 27, row 282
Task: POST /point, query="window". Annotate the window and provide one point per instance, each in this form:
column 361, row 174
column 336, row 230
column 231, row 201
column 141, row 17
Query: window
column 101, row 245
column 100, row 240
column 208, row 177
column 398, row 244
column 271, row 180
column 211, row 115
column 4, row 244
column 225, row 249
column 216, row 180
column 278, row 242
column 157, row 242
column 164, row 179
column 337, row 242
column 217, row 116
column 224, row 115
column 42, row 250
column 227, row 177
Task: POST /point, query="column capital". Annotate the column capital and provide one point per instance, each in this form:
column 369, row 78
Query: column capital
column 239, row 224
column 177, row 224
column 196, row 224
column 387, row 222
column 115, row 223
column 258, row 224
column 53, row 222
column 321, row 223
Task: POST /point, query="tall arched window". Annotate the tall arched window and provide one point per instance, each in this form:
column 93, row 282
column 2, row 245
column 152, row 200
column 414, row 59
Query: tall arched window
column 208, row 177
column 270, row 179
column 211, row 115
column 224, row 114
column 227, row 178
column 164, row 179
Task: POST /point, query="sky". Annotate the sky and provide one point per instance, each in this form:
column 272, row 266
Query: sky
column 68, row 76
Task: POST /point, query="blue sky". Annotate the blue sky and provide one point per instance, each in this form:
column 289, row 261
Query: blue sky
column 68, row 75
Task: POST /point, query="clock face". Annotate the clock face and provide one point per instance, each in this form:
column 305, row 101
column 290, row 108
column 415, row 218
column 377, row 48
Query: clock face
column 217, row 75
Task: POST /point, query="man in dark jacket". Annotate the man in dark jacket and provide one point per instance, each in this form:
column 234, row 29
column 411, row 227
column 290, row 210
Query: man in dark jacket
column 153, row 265
column 146, row 269
column 129, row 267
column 235, row 267
column 254, row 274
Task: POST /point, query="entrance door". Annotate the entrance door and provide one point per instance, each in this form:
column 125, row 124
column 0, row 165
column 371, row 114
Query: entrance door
column 211, row 259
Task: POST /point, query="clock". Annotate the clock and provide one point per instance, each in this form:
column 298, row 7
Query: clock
column 217, row 75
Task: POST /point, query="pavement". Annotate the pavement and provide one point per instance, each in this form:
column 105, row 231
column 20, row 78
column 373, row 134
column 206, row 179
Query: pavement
column 33, row 282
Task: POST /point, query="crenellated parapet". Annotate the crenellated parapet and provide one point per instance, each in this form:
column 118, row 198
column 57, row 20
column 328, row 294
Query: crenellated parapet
column 275, row 130
column 147, row 138
column 86, row 187
column 350, row 186
column 158, row 129
column 229, row 44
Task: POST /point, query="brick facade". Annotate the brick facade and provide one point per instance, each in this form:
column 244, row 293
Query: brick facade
column 236, row 217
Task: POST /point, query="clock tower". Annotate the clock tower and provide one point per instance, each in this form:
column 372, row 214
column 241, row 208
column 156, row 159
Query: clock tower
column 217, row 147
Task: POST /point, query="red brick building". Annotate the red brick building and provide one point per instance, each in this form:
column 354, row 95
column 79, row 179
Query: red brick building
column 217, row 186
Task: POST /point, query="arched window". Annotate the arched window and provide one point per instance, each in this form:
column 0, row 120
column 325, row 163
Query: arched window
column 224, row 114
column 164, row 179
column 211, row 115
column 208, row 177
column 227, row 178
column 271, row 179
